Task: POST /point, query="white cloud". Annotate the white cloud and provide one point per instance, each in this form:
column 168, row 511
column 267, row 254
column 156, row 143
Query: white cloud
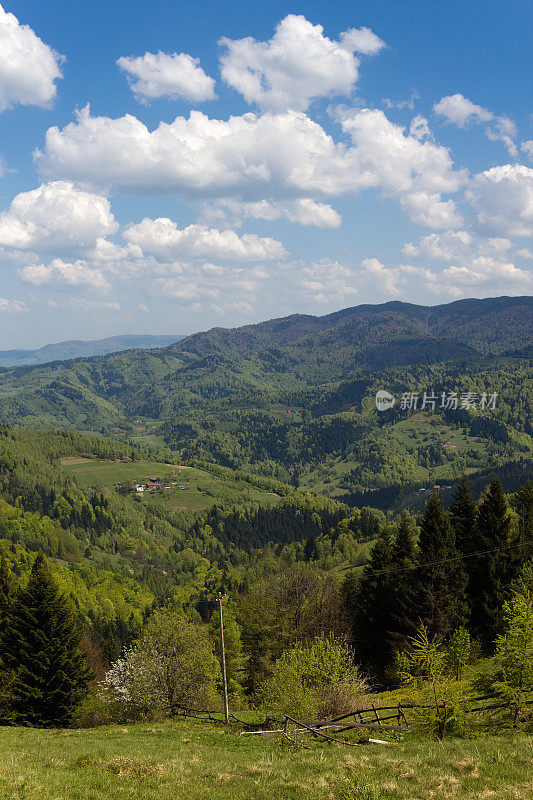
column 12, row 306
column 56, row 217
column 28, row 67
column 424, row 208
column 505, row 131
column 446, row 246
column 250, row 157
column 527, row 148
column 390, row 279
column 458, row 110
column 502, row 198
column 304, row 211
column 163, row 239
column 59, row 272
column 174, row 76
column 419, row 128
column 297, row 65
column 487, row 270
column 398, row 163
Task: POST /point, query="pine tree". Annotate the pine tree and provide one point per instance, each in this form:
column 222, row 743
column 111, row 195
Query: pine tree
column 404, row 554
column 463, row 513
column 7, row 587
column 372, row 614
column 524, row 508
column 440, row 578
column 491, row 572
column 41, row 646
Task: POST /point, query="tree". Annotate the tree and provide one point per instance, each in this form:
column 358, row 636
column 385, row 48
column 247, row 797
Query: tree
column 41, row 646
column 463, row 513
column 458, row 652
column 439, row 592
column 371, row 614
column 6, row 674
column 492, row 571
column 523, row 504
column 316, row 679
column 171, row 664
column 511, row 677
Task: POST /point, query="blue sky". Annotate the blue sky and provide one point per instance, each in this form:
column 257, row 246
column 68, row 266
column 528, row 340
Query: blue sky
column 171, row 166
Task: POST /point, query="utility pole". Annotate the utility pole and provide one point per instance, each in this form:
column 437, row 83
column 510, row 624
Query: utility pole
column 220, row 597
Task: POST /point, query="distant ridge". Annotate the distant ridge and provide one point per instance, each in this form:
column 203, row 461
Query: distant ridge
column 63, row 351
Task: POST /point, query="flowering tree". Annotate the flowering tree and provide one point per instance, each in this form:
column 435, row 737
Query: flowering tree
column 171, row 664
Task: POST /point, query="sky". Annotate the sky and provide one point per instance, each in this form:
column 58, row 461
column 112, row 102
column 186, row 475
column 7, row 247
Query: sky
column 168, row 166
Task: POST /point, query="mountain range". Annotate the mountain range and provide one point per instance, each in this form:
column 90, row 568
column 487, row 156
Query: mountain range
column 293, row 398
column 62, row 351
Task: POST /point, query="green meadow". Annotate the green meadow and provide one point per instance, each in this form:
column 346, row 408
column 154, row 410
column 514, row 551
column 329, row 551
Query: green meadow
column 201, row 761
column 202, row 489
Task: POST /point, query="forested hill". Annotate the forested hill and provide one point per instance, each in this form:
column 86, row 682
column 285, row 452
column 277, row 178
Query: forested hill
column 61, row 351
column 293, row 398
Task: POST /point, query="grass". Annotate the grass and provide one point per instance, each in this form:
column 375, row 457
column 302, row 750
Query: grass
column 200, row 761
column 202, row 488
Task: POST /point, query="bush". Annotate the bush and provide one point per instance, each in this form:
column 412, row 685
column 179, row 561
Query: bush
column 315, row 680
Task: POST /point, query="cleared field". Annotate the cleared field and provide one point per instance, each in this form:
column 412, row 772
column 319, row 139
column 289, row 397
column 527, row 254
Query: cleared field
column 201, row 761
column 201, row 488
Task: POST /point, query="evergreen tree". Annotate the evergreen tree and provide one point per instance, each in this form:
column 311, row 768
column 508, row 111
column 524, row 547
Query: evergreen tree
column 463, row 513
column 523, row 504
column 404, row 553
column 440, row 579
column 6, row 674
column 491, row 572
column 372, row 614
column 41, row 646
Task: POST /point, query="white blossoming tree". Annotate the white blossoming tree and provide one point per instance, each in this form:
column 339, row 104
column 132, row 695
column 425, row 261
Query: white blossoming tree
column 171, row 664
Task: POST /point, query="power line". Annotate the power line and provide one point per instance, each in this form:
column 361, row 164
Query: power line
column 434, row 563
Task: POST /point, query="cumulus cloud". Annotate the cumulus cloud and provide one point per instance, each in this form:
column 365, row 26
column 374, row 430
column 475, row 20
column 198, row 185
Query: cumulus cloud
column 28, row 67
column 424, row 208
column 171, row 75
column 271, row 156
column 163, row 239
column 297, row 65
column 303, row 212
column 502, row 198
column 459, row 110
column 390, row 279
column 59, row 273
column 56, row 217
column 12, row 306
column 440, row 246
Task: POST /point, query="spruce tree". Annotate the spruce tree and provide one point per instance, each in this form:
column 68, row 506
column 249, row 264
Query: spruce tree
column 372, row 614
column 523, row 504
column 440, row 579
column 463, row 513
column 41, row 646
column 7, row 587
column 403, row 595
column 492, row 571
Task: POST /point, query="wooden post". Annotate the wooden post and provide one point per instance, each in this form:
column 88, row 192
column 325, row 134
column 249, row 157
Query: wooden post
column 223, row 659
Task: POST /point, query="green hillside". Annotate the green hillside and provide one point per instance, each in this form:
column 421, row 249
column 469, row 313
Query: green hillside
column 294, row 398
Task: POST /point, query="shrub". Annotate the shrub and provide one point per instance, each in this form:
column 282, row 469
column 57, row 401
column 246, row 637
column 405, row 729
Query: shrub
column 315, row 680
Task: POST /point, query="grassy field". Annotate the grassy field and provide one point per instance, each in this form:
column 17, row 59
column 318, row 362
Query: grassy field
column 202, row 489
column 200, row 761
